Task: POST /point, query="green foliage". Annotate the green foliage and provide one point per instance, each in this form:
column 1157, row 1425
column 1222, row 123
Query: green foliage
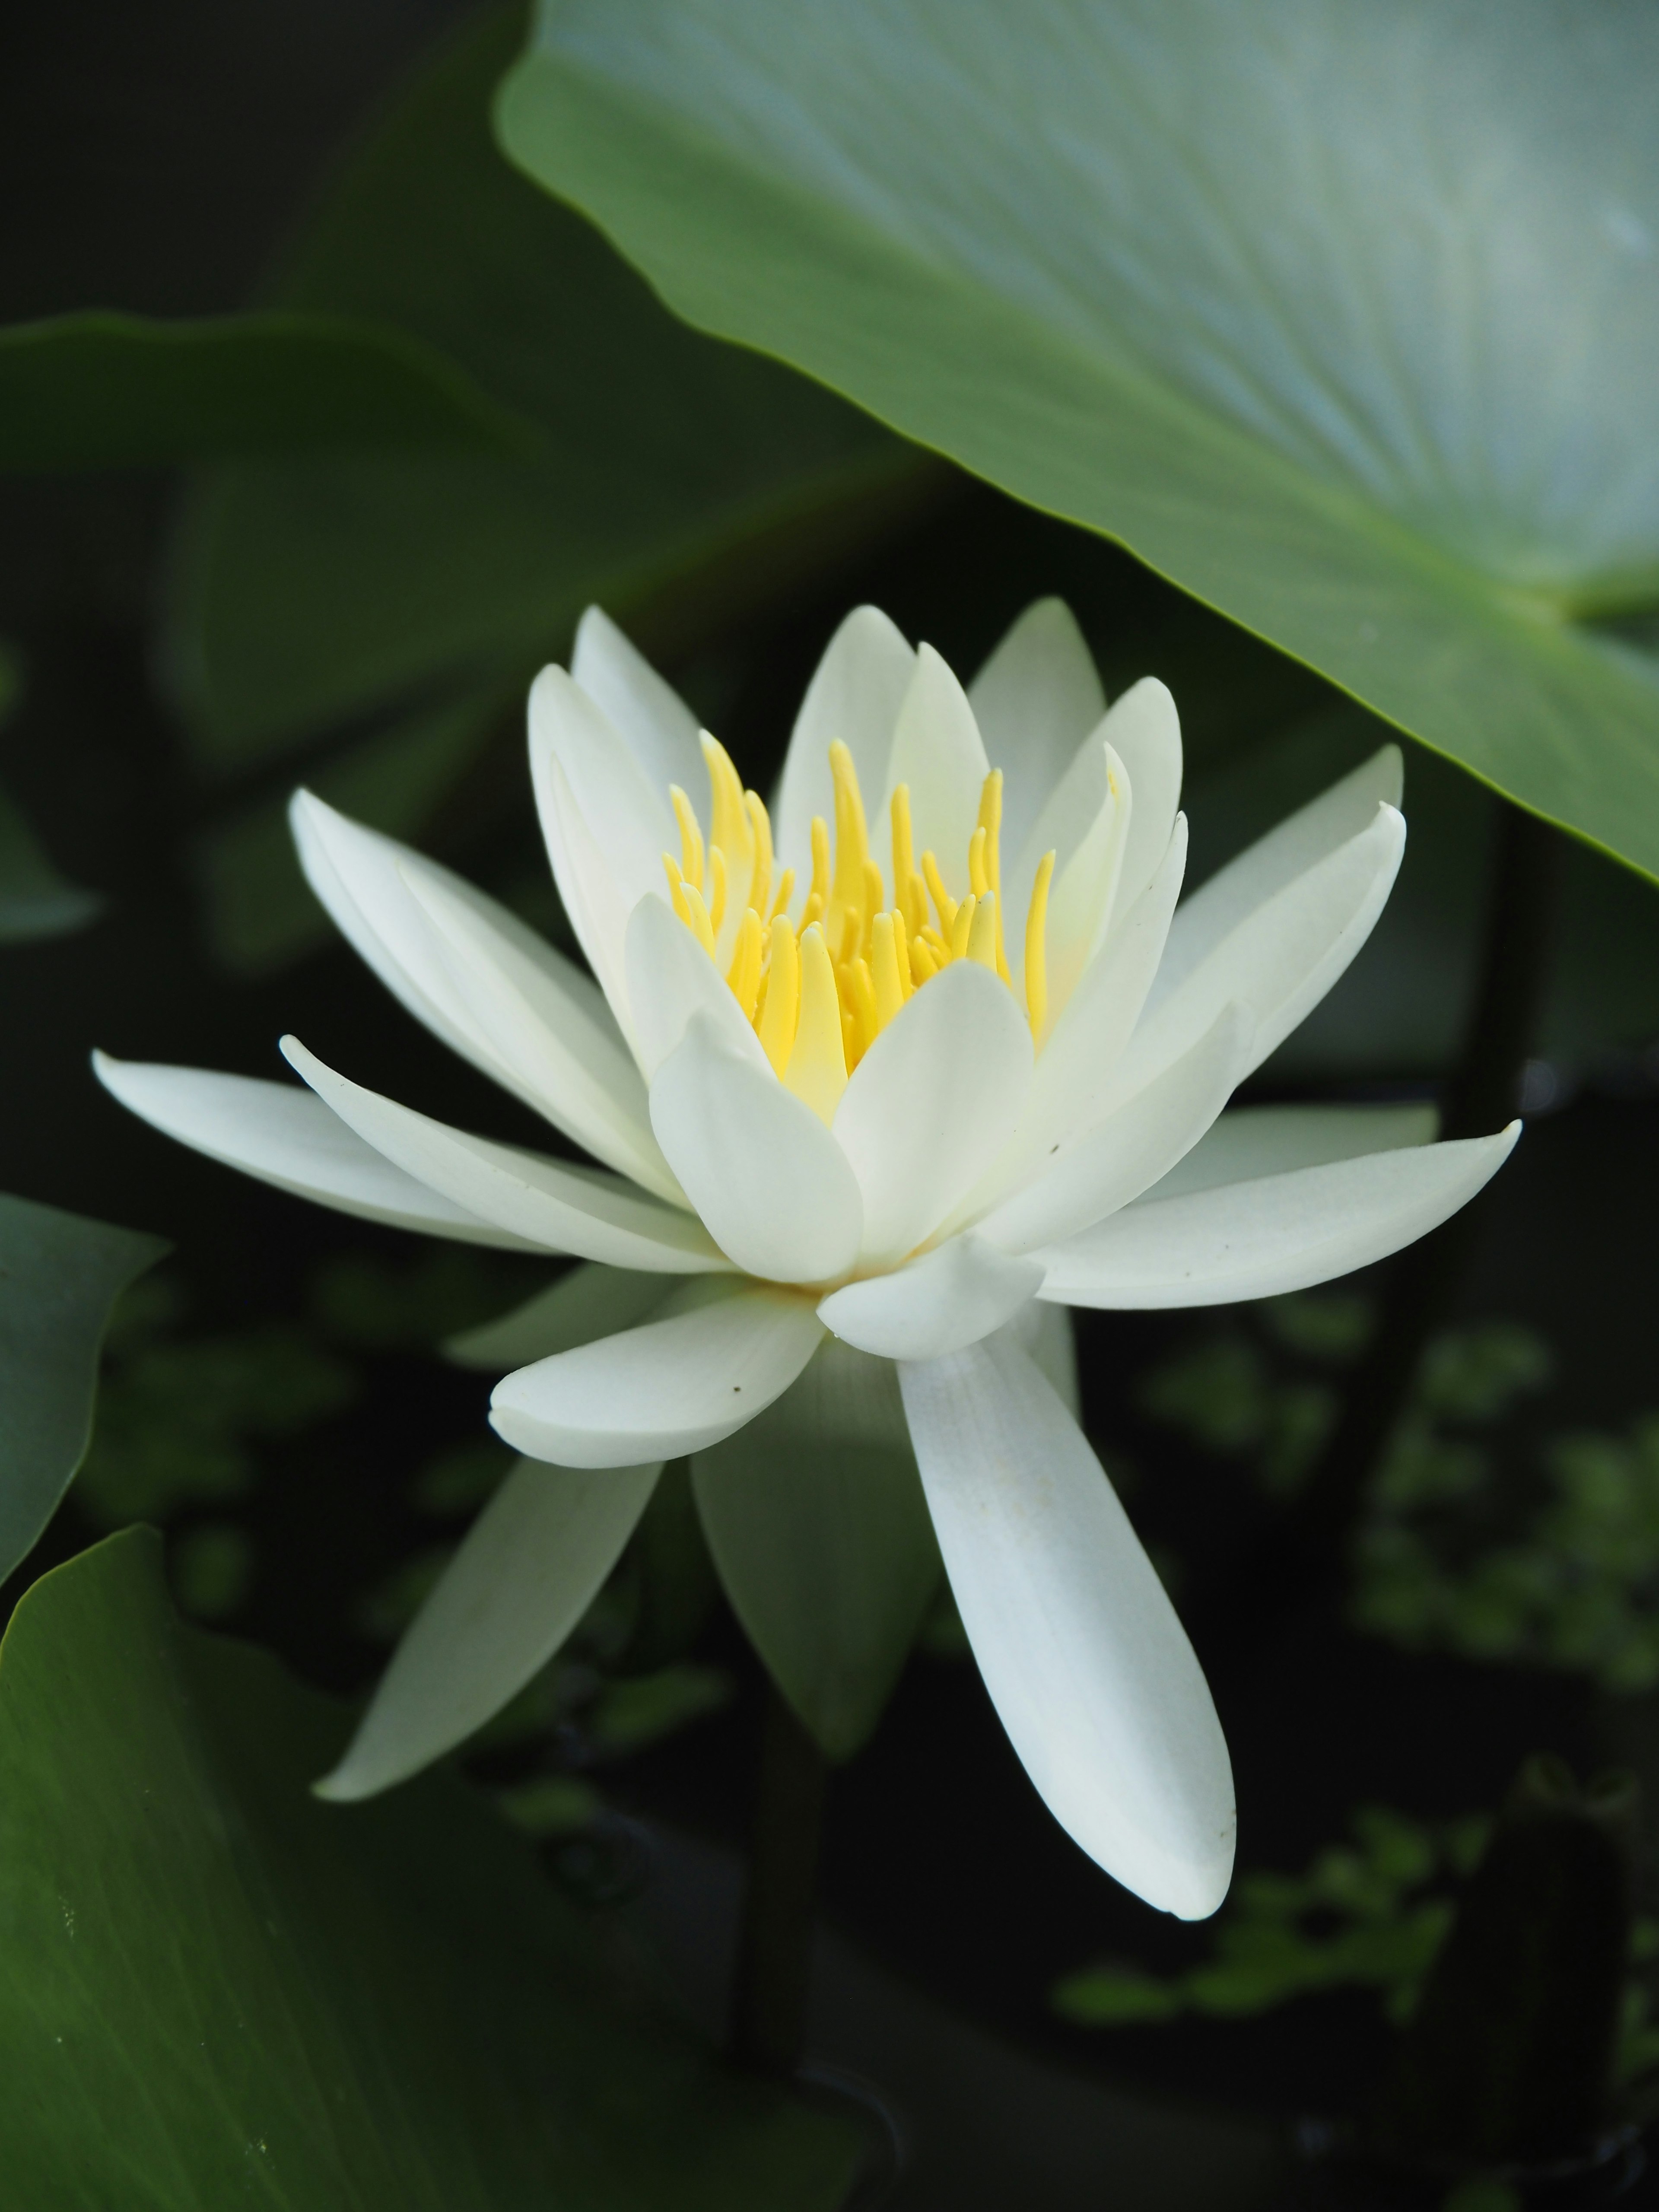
column 100, row 391
column 218, row 1989
column 59, row 1278
column 1246, row 288
column 372, row 1304
column 35, row 900
column 1370, row 1914
column 675, row 479
column 1224, row 1393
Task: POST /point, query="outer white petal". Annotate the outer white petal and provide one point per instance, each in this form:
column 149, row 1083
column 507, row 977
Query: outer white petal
column 558, row 1208
column 855, row 695
column 1036, row 698
column 770, row 1180
column 932, row 1104
column 1282, row 959
column 669, row 1387
column 553, row 1034
column 1287, row 851
column 529, row 1568
column 650, row 716
column 1090, row 1670
column 1128, row 1152
column 628, row 816
column 1264, row 1140
column 949, row 1297
column 591, row 1300
column 1072, row 1086
column 1279, row 1233
column 287, row 1137
column 938, row 752
column 1144, row 730
column 669, row 978
column 593, row 899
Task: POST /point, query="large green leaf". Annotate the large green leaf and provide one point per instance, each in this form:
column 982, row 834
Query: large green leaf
column 59, row 1276
column 98, row 391
column 308, row 592
column 216, row 1990
column 1343, row 316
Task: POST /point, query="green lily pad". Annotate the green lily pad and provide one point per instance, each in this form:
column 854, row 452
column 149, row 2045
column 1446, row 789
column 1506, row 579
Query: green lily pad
column 1343, row 319
column 100, row 391
column 215, row 1989
column 59, row 1277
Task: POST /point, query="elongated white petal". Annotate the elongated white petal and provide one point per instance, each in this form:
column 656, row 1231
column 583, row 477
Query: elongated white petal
column 649, row 715
column 1144, row 730
column 932, row 1104
column 854, row 695
column 1045, row 1335
column 1287, row 851
column 774, row 1188
column 1071, row 1087
column 669, row 1387
column 1128, row 1152
column 669, row 978
column 952, row 1297
column 561, row 1209
column 818, row 1526
column 627, row 813
column 1264, row 1140
column 591, row 1301
column 1035, row 700
column 1282, row 959
column 528, row 1568
column 593, row 900
column 1090, row 1670
column 543, row 1025
column 938, row 752
column 1082, row 901
column 286, row 1137
column 1277, row 1232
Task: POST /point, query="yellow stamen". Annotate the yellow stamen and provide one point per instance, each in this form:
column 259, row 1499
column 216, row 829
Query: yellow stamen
column 990, row 821
column 690, row 837
column 982, row 936
column 901, row 951
column 786, row 892
column 702, row 928
column 851, row 935
column 852, row 838
column 717, row 869
column 961, row 928
column 817, row 1072
column 671, row 868
column 813, row 911
column 819, row 889
column 728, row 815
column 885, row 967
column 1037, row 962
column 760, row 828
column 943, row 902
column 922, row 962
column 744, row 973
column 778, row 1016
column 868, row 1020
column 907, row 886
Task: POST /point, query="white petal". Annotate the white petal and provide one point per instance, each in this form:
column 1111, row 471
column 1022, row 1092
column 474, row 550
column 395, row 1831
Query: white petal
column 552, row 1033
column 1071, row 1086
column 591, row 1301
column 629, row 817
column 770, row 1180
column 1297, row 843
column 1083, row 897
column 1264, row 1140
column 286, row 1137
column 932, row 1104
column 1277, row 1232
column 561, row 1209
column 1144, row 730
column 669, row 1387
column 528, row 1568
column 593, row 901
column 949, row 1297
column 1045, row 1335
column 1090, row 1670
column 938, row 752
column 1035, row 700
column 650, row 716
column 1124, row 1155
column 1281, row 959
column 669, row 978
column 855, row 695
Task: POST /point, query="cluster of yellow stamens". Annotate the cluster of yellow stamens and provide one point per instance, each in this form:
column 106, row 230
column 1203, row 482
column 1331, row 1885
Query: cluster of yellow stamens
column 819, row 988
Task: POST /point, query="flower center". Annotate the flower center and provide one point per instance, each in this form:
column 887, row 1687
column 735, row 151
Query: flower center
column 819, row 988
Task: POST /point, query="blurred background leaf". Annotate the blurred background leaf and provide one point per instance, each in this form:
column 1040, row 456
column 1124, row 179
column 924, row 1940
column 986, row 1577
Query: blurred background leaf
column 35, row 900
column 216, row 1984
column 98, row 391
column 1342, row 319
column 59, row 1277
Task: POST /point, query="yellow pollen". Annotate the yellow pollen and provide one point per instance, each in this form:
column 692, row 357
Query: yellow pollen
column 962, row 926
column 819, row 886
column 922, row 962
column 866, row 1017
column 744, row 973
column 1036, row 960
column 982, row 935
column 852, row 838
column 782, row 1012
column 786, row 892
column 728, row 814
column 760, row 827
column 978, row 882
column 717, row 870
column 690, row 837
column 909, row 892
column 943, row 902
column 817, row 1071
column 886, row 964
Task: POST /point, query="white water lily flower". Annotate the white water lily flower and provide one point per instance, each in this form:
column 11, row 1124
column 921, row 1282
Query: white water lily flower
column 871, row 1076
